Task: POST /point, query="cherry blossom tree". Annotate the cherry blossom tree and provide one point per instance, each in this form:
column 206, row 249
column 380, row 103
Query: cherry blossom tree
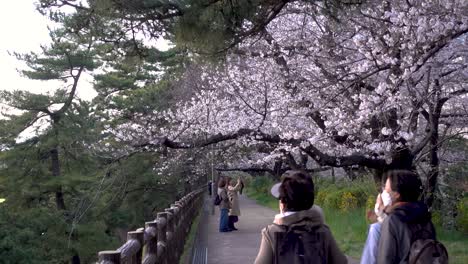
column 380, row 85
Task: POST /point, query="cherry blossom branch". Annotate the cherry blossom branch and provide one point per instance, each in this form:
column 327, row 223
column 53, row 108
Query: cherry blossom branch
column 271, row 171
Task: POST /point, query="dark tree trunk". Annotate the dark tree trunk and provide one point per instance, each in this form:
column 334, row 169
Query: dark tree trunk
column 277, row 170
column 75, row 259
column 402, row 159
column 350, row 173
column 55, row 167
column 377, row 175
column 433, row 175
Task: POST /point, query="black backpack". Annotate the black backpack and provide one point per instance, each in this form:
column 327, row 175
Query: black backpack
column 300, row 244
column 217, row 200
column 425, row 248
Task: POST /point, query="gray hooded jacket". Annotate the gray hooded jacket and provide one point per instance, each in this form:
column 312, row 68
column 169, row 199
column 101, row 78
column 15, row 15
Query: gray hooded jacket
column 396, row 237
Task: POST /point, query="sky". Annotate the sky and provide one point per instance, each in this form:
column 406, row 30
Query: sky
column 23, row 30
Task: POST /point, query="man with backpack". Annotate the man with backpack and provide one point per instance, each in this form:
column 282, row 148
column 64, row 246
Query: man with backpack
column 407, row 234
column 298, row 234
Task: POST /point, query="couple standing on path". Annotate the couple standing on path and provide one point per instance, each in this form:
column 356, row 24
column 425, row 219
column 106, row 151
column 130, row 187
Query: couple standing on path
column 229, row 204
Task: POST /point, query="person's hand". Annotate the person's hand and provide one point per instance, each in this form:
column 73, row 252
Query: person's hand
column 379, row 201
column 371, row 216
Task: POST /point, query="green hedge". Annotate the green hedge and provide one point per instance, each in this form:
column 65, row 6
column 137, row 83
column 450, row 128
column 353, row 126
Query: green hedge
column 462, row 217
column 345, row 195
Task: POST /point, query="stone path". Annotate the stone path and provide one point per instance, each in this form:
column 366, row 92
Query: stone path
column 237, row 247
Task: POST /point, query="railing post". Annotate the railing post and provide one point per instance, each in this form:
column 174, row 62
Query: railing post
column 151, row 245
column 183, row 213
column 138, row 236
column 171, row 233
column 187, row 215
column 179, row 246
column 162, row 236
column 178, row 230
column 191, row 210
column 109, row 257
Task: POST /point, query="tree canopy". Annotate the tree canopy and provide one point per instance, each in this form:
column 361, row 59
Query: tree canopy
column 246, row 85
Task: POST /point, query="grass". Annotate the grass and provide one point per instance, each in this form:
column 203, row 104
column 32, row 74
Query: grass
column 261, row 198
column 456, row 244
column 190, row 239
column 350, row 228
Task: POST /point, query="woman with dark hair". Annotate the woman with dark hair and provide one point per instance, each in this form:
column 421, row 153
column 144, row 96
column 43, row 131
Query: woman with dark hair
column 298, row 234
column 224, row 206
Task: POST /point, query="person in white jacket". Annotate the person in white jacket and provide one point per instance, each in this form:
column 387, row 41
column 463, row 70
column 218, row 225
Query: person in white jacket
column 369, row 253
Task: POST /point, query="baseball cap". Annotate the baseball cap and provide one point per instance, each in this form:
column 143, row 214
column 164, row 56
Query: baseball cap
column 275, row 190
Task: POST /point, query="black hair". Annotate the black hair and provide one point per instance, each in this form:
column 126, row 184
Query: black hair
column 222, row 183
column 296, row 191
column 406, row 183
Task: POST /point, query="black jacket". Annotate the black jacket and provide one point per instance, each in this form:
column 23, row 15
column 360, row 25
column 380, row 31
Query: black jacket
column 396, row 235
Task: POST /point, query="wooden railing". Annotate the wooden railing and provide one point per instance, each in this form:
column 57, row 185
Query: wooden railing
column 162, row 240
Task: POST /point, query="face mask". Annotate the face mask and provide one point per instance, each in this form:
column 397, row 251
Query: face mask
column 386, row 198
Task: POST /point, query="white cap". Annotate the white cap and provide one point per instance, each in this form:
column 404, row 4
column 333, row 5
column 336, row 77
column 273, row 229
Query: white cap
column 275, row 190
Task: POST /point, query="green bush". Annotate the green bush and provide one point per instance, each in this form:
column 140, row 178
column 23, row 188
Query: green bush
column 341, row 195
column 258, row 188
column 260, row 184
column 332, row 200
column 437, row 218
column 348, row 201
column 320, row 198
column 344, row 195
column 462, row 217
column 370, row 202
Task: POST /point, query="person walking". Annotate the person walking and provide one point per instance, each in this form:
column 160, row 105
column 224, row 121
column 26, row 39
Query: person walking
column 224, row 206
column 234, row 212
column 298, row 234
column 405, row 216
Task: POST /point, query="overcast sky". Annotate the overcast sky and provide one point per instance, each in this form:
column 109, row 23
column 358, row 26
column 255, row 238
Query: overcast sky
column 23, row 29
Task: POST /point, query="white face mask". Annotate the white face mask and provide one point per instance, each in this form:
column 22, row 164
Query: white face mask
column 386, row 198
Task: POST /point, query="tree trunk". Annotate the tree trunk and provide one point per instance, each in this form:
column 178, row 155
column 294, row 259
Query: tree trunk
column 433, row 175
column 378, row 178
column 75, row 259
column 55, row 167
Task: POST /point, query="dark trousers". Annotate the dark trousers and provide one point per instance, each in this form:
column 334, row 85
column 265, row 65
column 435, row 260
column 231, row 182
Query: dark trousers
column 233, row 219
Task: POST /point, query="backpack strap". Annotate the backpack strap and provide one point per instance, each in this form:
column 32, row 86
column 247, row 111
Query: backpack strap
column 417, row 232
column 426, row 244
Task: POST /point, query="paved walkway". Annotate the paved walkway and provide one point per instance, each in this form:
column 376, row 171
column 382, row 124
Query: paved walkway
column 237, row 247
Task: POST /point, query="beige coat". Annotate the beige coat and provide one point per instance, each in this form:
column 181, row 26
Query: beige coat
column 234, row 198
column 223, row 194
column 313, row 217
